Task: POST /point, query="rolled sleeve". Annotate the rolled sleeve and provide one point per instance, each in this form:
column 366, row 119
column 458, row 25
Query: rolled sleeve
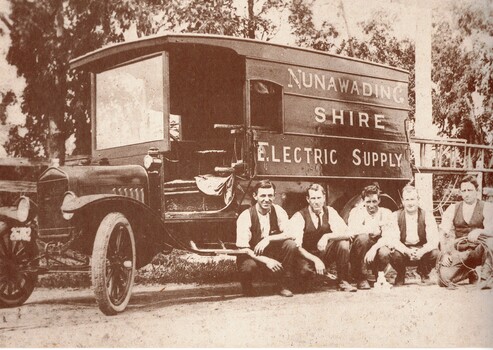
column 447, row 224
column 337, row 224
column 243, row 230
column 488, row 218
column 432, row 237
column 296, row 227
column 356, row 221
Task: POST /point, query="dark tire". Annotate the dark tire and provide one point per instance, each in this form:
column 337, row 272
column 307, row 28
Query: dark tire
column 16, row 281
column 113, row 263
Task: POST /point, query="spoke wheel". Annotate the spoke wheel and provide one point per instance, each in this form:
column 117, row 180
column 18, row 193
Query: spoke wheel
column 113, row 263
column 16, row 282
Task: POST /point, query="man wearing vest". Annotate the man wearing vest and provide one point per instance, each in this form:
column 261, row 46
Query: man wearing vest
column 413, row 239
column 321, row 236
column 467, row 233
column 260, row 233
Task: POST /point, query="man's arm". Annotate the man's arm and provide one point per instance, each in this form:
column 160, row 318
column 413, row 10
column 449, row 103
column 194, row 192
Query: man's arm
column 337, row 225
column 487, row 230
column 446, row 232
column 243, row 230
column 271, row 264
column 319, row 265
column 356, row 224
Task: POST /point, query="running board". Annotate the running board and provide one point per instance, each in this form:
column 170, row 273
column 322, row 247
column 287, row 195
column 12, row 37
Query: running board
column 215, row 251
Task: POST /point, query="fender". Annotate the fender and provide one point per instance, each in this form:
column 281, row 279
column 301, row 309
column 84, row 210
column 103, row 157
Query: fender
column 153, row 229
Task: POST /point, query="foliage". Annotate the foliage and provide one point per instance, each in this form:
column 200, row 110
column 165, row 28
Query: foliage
column 46, row 34
column 176, row 267
column 462, row 72
column 376, row 42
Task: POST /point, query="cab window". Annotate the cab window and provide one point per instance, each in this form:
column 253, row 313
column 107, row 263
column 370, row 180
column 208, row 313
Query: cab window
column 130, row 104
column 266, row 105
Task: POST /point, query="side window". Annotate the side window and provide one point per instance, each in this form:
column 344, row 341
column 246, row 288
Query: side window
column 266, row 105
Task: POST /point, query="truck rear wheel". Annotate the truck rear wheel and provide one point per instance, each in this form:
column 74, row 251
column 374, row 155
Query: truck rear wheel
column 16, row 282
column 113, row 263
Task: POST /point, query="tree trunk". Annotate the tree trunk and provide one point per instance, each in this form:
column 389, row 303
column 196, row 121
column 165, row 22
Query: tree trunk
column 56, row 137
column 251, row 22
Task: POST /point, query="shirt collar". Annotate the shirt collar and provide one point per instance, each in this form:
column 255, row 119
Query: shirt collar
column 470, row 205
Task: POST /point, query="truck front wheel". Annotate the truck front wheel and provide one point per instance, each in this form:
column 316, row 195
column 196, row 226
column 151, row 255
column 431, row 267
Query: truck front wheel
column 17, row 282
column 113, row 263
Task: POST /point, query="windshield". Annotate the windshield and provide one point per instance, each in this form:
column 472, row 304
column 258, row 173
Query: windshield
column 129, row 104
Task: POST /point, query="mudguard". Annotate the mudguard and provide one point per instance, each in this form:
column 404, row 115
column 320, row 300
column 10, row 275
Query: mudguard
column 150, row 231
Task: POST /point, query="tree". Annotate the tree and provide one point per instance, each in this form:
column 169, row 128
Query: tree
column 375, row 42
column 462, row 54
column 46, row 34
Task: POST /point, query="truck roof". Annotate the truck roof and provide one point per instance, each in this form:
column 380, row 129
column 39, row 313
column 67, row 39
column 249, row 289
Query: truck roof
column 125, row 51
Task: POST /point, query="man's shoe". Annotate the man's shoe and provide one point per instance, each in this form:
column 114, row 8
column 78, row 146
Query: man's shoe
column 486, row 284
column 344, row 286
column 285, row 292
column 473, row 277
column 399, row 280
column 425, row 280
column 363, row 285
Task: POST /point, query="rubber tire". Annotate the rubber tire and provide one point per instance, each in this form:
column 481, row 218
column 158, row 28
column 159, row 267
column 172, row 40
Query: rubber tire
column 30, row 279
column 98, row 266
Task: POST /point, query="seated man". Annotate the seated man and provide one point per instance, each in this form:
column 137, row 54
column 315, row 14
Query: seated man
column 260, row 233
column 365, row 225
column 413, row 236
column 321, row 237
column 467, row 233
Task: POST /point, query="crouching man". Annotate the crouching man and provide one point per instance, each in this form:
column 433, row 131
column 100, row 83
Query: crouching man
column 412, row 240
column 367, row 224
column 321, row 237
column 467, row 233
column 260, row 233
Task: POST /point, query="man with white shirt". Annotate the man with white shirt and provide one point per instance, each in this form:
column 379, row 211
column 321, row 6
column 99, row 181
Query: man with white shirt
column 467, row 232
column 413, row 238
column 366, row 225
column 321, row 236
column 260, row 234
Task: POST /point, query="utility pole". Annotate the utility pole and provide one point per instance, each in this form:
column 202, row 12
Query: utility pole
column 424, row 118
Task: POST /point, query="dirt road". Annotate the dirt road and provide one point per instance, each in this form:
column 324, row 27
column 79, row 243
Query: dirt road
column 217, row 316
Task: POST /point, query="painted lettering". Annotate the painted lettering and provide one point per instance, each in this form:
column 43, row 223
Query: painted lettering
column 320, row 114
column 297, row 158
column 286, row 155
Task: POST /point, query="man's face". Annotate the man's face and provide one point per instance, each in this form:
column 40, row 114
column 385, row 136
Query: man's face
column 264, row 198
column 410, row 201
column 371, row 203
column 468, row 192
column 316, row 200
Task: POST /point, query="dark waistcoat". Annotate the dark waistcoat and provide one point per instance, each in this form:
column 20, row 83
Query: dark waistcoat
column 311, row 235
column 255, row 228
column 401, row 219
column 462, row 228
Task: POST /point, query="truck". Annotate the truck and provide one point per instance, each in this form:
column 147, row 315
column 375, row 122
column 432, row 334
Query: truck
column 182, row 127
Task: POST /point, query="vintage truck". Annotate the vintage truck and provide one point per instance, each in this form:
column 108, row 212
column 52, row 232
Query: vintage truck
column 182, row 127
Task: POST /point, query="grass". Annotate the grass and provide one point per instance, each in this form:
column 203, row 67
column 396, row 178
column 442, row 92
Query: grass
column 176, row 267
